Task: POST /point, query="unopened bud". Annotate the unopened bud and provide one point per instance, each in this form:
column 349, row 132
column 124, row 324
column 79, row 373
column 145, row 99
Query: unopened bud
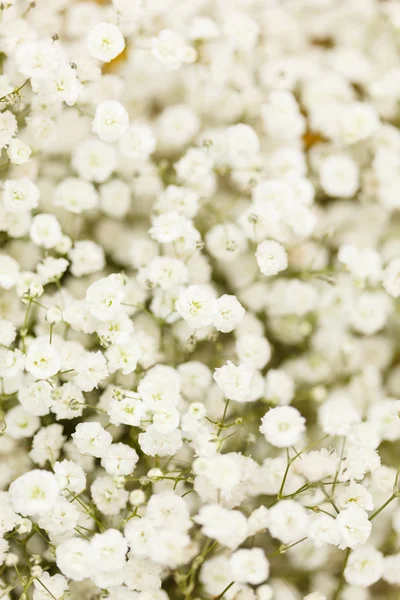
column 119, row 481
column 54, row 315
column 36, row 571
column 137, row 497
column 155, row 474
column 11, row 559
column 24, row 526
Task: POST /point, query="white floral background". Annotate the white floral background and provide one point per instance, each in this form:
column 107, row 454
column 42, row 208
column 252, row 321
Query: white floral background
column 199, row 300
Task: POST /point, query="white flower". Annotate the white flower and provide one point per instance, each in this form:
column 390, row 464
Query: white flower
column 258, row 520
column 228, row 527
column 105, row 42
column 51, row 269
column 169, row 510
column 36, row 397
column 18, row 151
column 91, row 438
column 170, row 49
column 249, row 566
column 47, row 444
column 287, row 521
column 318, row 465
column 271, row 257
column 61, row 518
column 56, row 585
column 339, row 176
column 8, row 332
column 43, row 360
column 75, row 195
column 235, row 381
column 324, row 530
column 9, row 272
column 391, row 573
column 337, row 415
column 226, row 242
column 253, row 350
column 128, row 410
column 20, row 194
column 137, row 141
column 74, row 558
column 282, row 426
column 93, row 160
column 104, row 298
column 364, row 265
column 194, row 167
column 279, row 387
column 364, row 567
column 119, row 459
column 370, row 312
column 168, row 227
column 8, row 128
column 142, row 575
column 109, row 498
column 115, row 198
column 20, row 423
column 357, row 494
column 197, row 306
column 358, row 461
column 154, row 443
column 108, row 550
column 165, row 272
column 34, row 493
column 229, row 313
column 70, row 476
column 86, row 257
column 242, row 145
column 354, row 527
column 358, row 122
column 45, row 231
column 110, row 121
column 385, row 417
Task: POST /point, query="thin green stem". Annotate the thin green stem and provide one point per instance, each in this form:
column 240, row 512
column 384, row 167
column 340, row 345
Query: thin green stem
column 222, row 594
column 341, row 579
column 384, row 505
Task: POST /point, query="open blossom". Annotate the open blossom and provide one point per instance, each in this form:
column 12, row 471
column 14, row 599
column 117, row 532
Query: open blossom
column 76, row 195
column 137, row 141
column 170, row 49
column 250, row 566
column 105, row 41
column 364, row 567
column 271, row 257
column 197, row 306
column 91, row 438
column 34, row 493
column 104, row 298
column 110, row 121
column 229, row 528
column 43, row 360
column 235, row 381
column 354, row 527
column 20, row 194
column 282, row 426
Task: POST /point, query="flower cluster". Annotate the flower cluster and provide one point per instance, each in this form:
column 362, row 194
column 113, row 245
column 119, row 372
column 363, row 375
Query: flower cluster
column 199, row 299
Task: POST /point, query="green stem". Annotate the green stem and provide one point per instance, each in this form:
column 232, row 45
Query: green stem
column 341, row 580
column 221, row 425
column 384, row 505
column 222, row 594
